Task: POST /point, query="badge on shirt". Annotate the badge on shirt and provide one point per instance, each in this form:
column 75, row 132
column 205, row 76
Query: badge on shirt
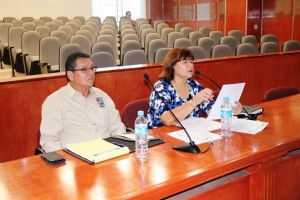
column 100, row 102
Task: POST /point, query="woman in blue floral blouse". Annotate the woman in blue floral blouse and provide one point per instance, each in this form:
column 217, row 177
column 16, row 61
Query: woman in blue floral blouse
column 176, row 90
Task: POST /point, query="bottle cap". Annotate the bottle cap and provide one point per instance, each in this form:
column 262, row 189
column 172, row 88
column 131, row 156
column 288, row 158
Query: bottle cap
column 226, row 98
column 140, row 113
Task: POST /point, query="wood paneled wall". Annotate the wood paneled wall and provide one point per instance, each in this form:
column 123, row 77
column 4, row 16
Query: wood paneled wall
column 256, row 17
column 22, row 97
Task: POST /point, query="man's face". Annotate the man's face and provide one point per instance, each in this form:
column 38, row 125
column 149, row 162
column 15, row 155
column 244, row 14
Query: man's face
column 85, row 77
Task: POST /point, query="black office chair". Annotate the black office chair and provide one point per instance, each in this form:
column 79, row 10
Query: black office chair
column 38, row 150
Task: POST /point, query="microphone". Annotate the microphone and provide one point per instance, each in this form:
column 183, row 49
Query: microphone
column 189, row 147
column 249, row 116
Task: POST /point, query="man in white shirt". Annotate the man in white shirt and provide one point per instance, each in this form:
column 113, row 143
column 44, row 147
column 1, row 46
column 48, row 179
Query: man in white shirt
column 78, row 112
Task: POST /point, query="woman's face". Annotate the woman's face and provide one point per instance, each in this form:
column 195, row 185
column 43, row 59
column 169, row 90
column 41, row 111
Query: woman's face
column 184, row 69
column 128, row 14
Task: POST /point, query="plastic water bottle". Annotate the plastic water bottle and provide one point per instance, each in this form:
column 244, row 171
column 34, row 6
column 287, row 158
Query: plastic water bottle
column 226, row 118
column 141, row 136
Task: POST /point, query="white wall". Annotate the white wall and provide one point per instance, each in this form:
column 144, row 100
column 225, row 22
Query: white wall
column 52, row 8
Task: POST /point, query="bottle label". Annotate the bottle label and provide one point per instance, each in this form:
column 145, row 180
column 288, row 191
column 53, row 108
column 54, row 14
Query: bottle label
column 141, row 130
column 226, row 113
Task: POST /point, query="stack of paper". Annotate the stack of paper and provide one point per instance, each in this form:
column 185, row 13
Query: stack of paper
column 96, row 150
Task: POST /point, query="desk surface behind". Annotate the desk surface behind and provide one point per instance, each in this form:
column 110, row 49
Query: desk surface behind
column 164, row 173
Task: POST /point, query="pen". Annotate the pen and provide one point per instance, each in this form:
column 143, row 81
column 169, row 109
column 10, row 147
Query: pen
column 101, row 153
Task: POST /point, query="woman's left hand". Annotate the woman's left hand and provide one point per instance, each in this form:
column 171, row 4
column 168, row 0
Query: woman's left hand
column 237, row 108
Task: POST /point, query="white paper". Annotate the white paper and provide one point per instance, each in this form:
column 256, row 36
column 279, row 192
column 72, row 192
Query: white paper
column 247, row 126
column 198, row 137
column 233, row 91
column 196, row 123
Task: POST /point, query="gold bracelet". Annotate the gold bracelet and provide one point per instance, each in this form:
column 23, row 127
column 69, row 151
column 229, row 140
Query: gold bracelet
column 192, row 104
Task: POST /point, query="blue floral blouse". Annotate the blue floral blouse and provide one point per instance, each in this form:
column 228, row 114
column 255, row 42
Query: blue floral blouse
column 164, row 95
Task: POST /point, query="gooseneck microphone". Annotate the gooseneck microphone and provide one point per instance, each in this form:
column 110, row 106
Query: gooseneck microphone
column 189, row 147
column 249, row 116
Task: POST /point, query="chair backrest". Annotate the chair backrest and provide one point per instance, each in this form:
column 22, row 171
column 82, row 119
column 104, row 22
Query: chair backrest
column 15, row 36
column 221, row 50
column 160, row 27
column 91, row 29
column 153, row 46
column 268, row 38
column 142, row 27
column 237, row 34
column 46, row 19
column 155, row 24
column 245, row 49
column 231, row 42
column 104, row 47
column 43, row 30
column 63, row 18
column 52, row 25
column 144, row 34
column 205, row 30
column 290, row 45
column 8, row 19
column 83, row 42
column 269, row 47
column 49, row 53
column 185, row 31
column 216, row 36
column 172, row 37
column 87, row 34
column 27, row 19
column 110, row 39
column 103, row 59
column 149, row 37
column 182, row 43
column 130, row 37
column 127, row 31
column 67, row 29
column 135, row 57
column 38, row 22
column 160, row 54
column 14, row 40
column 58, row 22
column 31, row 42
column 165, row 33
column 127, row 46
column 194, row 37
column 130, row 110
column 29, row 26
column 178, row 26
column 279, row 92
column 206, row 43
column 66, row 50
column 74, row 26
column 61, row 35
column 17, row 22
column 4, row 27
column 81, row 18
column 198, row 52
column 249, row 39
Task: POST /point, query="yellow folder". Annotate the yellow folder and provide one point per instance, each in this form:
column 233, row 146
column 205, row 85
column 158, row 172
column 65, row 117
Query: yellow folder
column 96, row 150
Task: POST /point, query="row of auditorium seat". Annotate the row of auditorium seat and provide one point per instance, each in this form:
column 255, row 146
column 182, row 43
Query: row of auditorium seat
column 143, row 44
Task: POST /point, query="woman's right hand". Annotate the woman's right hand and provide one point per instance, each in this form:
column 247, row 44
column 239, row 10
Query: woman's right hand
column 204, row 95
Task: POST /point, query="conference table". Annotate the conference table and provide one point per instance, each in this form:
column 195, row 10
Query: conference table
column 261, row 166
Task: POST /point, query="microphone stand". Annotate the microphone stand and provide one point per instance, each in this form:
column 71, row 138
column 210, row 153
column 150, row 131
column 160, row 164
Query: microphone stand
column 190, row 147
column 249, row 116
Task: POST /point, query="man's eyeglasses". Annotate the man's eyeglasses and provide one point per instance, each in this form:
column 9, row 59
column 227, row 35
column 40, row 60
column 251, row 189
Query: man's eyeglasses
column 85, row 70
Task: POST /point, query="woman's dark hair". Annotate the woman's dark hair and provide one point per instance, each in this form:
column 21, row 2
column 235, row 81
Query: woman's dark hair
column 71, row 61
column 175, row 55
